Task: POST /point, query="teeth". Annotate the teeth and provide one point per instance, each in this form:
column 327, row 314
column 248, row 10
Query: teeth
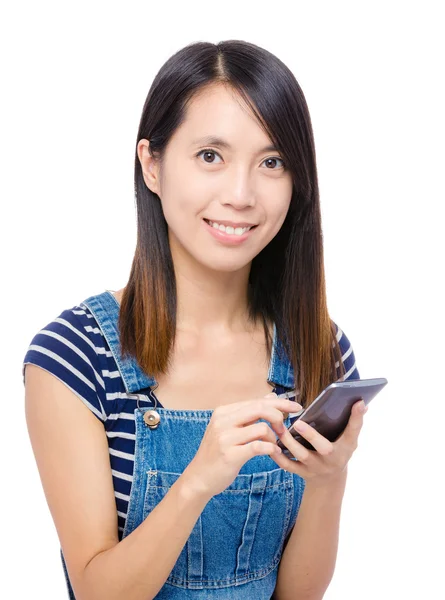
column 229, row 229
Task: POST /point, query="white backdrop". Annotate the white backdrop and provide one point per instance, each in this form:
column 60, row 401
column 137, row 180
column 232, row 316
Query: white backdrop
column 75, row 75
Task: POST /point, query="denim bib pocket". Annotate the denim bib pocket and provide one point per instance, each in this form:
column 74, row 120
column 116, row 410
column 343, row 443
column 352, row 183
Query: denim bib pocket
column 239, row 536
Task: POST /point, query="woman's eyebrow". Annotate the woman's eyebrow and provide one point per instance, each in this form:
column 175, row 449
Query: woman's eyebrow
column 213, row 140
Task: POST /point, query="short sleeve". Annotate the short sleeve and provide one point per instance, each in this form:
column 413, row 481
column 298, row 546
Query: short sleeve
column 348, row 356
column 64, row 349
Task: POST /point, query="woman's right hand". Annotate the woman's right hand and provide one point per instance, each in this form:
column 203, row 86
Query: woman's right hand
column 233, row 437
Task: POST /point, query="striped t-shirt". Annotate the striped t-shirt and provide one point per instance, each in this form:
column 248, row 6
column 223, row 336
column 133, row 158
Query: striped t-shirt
column 73, row 348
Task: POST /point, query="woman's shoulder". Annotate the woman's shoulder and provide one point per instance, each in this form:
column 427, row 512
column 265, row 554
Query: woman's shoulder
column 71, row 346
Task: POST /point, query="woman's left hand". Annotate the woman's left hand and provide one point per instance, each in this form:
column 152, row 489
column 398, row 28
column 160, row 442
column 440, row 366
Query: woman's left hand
column 330, row 459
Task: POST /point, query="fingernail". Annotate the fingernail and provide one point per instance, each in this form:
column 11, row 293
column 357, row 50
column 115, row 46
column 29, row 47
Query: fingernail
column 363, row 408
column 271, row 395
column 300, row 426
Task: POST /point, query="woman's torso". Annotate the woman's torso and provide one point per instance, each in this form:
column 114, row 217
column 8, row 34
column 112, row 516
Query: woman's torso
column 236, row 544
column 251, row 520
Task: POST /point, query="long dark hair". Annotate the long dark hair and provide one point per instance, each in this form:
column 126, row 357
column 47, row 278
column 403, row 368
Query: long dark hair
column 287, row 280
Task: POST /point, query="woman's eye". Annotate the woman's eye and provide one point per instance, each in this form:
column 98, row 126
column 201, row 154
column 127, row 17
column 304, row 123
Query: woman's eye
column 208, row 154
column 274, row 158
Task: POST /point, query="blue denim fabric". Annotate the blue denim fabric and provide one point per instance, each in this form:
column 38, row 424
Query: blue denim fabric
column 236, row 544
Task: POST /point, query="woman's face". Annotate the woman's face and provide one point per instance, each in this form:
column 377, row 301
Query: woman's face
column 243, row 182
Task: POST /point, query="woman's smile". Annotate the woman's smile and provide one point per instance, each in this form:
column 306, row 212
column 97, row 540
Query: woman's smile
column 228, row 238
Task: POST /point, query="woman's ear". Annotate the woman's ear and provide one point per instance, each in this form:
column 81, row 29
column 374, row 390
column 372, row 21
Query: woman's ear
column 150, row 166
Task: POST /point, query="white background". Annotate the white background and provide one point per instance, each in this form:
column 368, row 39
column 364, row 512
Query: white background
column 75, row 76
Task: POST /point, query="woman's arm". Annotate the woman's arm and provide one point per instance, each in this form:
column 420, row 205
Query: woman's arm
column 138, row 566
column 308, row 561
column 71, row 450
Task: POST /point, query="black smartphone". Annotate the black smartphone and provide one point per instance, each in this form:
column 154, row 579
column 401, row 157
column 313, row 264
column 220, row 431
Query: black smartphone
column 329, row 413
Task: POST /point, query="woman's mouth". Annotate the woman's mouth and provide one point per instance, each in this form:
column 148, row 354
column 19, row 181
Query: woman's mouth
column 229, row 235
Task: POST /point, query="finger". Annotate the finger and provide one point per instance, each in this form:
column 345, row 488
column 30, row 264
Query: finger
column 248, row 433
column 290, row 464
column 270, row 409
column 283, row 404
column 350, row 435
column 274, row 416
column 254, row 448
column 295, row 406
column 296, row 449
column 321, row 444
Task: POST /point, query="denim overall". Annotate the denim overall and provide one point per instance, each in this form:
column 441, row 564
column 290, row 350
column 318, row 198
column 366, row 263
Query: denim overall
column 237, row 542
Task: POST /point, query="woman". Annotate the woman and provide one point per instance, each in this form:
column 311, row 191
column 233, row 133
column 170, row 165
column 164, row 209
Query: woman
column 165, row 481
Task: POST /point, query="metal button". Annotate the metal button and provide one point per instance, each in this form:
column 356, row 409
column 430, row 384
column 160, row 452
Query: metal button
column 152, row 418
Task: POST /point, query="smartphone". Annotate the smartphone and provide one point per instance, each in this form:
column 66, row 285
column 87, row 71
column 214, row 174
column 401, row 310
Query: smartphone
column 329, row 413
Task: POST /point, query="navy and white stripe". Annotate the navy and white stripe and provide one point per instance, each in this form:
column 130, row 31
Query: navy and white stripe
column 347, row 356
column 73, row 348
